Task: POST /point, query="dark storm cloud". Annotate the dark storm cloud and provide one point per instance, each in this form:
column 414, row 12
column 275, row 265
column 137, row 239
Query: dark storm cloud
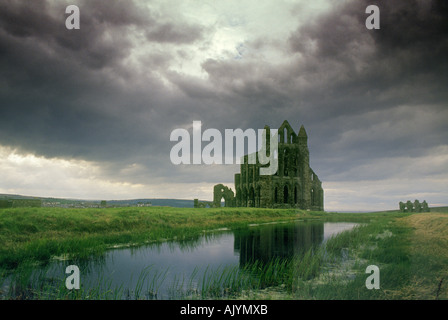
column 69, row 93
column 344, row 75
column 403, row 61
column 361, row 94
column 366, row 71
column 35, row 22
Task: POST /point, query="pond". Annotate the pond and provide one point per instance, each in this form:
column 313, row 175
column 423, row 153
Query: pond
column 176, row 269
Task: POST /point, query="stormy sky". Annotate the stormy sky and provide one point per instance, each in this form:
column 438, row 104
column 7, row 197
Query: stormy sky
column 88, row 113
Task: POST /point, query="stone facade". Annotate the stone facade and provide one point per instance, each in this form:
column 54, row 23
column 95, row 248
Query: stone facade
column 415, row 206
column 222, row 192
column 294, row 185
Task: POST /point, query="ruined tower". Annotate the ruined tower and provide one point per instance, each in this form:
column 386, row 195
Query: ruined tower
column 294, row 185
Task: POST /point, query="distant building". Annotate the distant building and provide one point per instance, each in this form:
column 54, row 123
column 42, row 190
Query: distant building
column 294, row 185
column 144, row 204
column 415, row 206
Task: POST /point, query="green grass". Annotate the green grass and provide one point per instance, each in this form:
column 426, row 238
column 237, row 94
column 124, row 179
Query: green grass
column 411, row 251
column 38, row 234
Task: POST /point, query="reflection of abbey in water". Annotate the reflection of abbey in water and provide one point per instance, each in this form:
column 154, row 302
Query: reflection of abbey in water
column 264, row 244
column 294, row 185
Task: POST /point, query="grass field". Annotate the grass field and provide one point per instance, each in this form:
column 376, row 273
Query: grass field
column 411, row 250
column 37, row 234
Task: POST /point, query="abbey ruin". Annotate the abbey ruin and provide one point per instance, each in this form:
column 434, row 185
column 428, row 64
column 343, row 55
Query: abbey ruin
column 294, row 185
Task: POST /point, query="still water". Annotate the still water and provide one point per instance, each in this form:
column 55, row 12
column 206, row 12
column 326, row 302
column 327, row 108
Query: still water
column 158, row 268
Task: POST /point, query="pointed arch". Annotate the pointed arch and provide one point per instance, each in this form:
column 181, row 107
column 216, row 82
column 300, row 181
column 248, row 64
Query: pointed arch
column 286, row 133
column 296, row 195
column 221, row 192
column 285, row 194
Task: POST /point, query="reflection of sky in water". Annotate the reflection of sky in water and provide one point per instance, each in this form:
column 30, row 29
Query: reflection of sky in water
column 170, row 261
column 213, row 253
column 123, row 267
column 333, row 228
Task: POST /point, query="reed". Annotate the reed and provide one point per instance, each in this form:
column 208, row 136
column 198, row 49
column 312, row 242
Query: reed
column 401, row 245
column 38, row 234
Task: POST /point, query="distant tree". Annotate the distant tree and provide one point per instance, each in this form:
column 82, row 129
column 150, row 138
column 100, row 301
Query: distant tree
column 103, row 203
column 402, row 206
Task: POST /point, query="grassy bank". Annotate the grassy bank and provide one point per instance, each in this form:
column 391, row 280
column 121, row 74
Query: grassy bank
column 37, row 234
column 411, row 250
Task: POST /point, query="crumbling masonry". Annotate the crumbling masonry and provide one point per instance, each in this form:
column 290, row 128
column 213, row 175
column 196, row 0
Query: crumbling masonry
column 294, row 185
